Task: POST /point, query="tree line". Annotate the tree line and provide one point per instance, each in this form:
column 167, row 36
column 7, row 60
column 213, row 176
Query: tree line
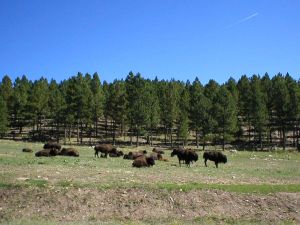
column 254, row 112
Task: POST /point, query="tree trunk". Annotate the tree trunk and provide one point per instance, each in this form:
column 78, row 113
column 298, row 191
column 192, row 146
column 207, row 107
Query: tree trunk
column 130, row 134
column 77, row 131
column 137, row 137
column 223, row 144
column 57, row 132
column 283, row 137
column 65, row 138
column 166, row 133
column 260, row 141
column 105, row 127
column 197, row 142
column 171, row 135
column 81, row 132
column 114, row 133
column 70, row 132
column 151, row 140
column 96, row 128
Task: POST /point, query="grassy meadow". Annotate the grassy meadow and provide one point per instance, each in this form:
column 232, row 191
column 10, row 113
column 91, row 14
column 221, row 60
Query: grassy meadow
column 252, row 175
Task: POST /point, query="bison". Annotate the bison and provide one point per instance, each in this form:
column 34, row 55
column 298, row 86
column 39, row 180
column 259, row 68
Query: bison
column 26, row 150
column 46, row 153
column 143, row 161
column 216, row 156
column 117, row 154
column 186, row 155
column 69, row 152
column 104, row 148
column 156, row 156
column 52, row 145
column 158, row 151
column 134, row 155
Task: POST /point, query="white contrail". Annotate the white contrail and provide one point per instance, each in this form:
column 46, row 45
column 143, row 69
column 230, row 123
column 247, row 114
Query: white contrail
column 243, row 20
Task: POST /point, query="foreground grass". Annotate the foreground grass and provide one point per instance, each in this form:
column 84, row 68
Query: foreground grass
column 237, row 188
column 203, row 220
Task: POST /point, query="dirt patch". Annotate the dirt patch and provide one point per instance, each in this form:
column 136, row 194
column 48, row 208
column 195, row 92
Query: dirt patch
column 75, row 204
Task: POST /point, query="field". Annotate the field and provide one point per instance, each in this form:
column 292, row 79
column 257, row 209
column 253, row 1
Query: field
column 252, row 188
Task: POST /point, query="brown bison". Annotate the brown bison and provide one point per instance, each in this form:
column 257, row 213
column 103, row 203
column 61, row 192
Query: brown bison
column 52, row 145
column 69, row 152
column 216, row 156
column 158, row 151
column 26, row 150
column 134, row 155
column 104, row 148
column 186, row 155
column 143, row 161
column 46, row 153
column 117, row 154
column 156, row 156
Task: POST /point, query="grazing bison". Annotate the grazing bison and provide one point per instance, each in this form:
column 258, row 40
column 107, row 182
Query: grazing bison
column 158, row 151
column 217, row 157
column 46, row 153
column 186, row 155
column 143, row 161
column 69, row 152
column 104, row 148
column 26, row 150
column 52, row 145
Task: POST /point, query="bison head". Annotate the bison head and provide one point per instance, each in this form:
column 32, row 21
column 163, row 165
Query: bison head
column 174, row 152
column 223, row 158
column 150, row 161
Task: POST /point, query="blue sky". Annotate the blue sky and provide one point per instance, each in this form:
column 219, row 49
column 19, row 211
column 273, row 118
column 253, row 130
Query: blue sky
column 164, row 38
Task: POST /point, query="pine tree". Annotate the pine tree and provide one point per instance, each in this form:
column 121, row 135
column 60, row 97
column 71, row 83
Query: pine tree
column 57, row 106
column 243, row 103
column 266, row 85
column 38, row 104
column 259, row 113
column 154, row 109
column 225, row 109
column 172, row 106
column 98, row 100
column 20, row 102
column 210, row 127
column 281, row 100
column 3, row 117
column 117, row 104
column 106, row 105
column 200, row 112
column 183, row 115
column 6, row 90
column 138, row 98
column 294, row 108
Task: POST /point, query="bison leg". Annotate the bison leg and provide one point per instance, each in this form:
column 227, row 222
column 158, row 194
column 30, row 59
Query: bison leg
column 216, row 164
column 205, row 160
column 188, row 163
column 179, row 162
column 96, row 154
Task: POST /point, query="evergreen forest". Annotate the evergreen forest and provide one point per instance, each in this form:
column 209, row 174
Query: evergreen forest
column 257, row 113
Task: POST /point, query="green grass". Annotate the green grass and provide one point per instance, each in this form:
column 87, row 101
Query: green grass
column 245, row 172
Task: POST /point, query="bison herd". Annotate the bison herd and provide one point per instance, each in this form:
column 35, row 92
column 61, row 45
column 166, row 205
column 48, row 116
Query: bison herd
column 140, row 158
column 53, row 149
